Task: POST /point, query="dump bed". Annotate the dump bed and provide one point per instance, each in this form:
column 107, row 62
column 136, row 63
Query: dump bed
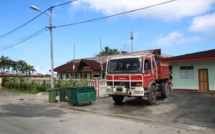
column 163, row 70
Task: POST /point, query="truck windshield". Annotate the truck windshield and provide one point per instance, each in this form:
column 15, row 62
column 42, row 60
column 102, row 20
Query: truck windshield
column 125, row 66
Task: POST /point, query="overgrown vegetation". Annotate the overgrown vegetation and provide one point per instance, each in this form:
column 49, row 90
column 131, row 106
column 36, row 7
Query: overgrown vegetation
column 25, row 85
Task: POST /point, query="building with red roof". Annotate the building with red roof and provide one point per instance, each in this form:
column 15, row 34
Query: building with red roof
column 194, row 71
column 89, row 67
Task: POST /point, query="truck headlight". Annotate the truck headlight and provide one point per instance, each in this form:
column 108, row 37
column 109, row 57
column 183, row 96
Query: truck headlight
column 138, row 84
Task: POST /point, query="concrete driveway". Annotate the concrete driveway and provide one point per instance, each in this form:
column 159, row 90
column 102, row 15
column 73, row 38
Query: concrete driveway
column 189, row 108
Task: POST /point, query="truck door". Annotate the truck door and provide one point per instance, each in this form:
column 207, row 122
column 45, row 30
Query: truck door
column 153, row 68
column 146, row 72
column 149, row 71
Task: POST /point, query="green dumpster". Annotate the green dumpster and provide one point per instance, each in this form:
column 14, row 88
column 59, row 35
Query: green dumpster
column 81, row 95
column 52, row 95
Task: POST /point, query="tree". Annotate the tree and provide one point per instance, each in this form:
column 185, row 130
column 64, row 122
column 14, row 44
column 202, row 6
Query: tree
column 4, row 63
column 9, row 65
column 30, row 69
column 108, row 51
column 14, row 66
column 123, row 52
column 22, row 66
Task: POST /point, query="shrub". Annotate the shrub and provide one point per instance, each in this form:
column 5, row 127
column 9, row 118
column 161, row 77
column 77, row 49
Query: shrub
column 23, row 84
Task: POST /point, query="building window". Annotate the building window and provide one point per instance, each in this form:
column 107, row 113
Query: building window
column 75, row 76
column 186, row 72
column 67, row 75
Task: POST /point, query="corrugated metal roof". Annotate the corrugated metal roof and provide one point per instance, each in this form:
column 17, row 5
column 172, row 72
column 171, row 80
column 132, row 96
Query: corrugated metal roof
column 68, row 67
column 95, row 62
column 196, row 55
column 92, row 64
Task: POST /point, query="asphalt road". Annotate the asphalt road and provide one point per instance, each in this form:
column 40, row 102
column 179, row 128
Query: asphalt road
column 189, row 108
column 32, row 114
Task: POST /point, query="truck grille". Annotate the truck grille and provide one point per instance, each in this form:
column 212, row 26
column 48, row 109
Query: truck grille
column 125, row 84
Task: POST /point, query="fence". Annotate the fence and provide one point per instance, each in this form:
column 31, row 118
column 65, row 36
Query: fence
column 102, row 83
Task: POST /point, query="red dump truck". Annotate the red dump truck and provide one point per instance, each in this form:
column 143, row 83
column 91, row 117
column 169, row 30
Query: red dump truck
column 140, row 76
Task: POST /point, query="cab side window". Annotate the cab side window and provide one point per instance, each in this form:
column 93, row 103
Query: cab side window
column 147, row 66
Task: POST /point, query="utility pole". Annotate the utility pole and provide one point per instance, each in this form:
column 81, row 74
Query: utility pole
column 74, row 53
column 132, row 37
column 51, row 46
column 50, row 27
column 100, row 58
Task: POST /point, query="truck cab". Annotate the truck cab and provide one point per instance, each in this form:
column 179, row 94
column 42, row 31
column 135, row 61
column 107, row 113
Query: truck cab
column 132, row 76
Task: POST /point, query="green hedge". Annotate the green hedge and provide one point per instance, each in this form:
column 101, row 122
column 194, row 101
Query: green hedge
column 23, row 84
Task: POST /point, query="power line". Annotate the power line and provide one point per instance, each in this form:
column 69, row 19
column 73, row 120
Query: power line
column 81, row 22
column 19, row 27
column 29, row 36
column 21, row 39
column 122, row 13
column 7, row 46
column 12, row 31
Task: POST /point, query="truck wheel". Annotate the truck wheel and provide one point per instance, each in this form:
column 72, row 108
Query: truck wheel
column 152, row 95
column 117, row 98
column 165, row 88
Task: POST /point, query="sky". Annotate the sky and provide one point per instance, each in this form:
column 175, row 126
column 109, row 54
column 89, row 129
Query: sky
column 177, row 27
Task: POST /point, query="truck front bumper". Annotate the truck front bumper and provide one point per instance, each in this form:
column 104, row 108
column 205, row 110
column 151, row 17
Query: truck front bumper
column 134, row 91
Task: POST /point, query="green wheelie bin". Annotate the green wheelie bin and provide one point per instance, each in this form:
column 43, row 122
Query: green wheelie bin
column 52, row 95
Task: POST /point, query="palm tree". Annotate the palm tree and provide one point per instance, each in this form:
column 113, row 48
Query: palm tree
column 8, row 65
column 14, row 66
column 17, row 66
column 30, row 69
column 3, row 63
column 22, row 66
column 108, row 51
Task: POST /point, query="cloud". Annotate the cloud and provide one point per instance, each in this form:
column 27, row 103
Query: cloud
column 39, row 70
column 204, row 23
column 168, row 12
column 168, row 40
column 174, row 38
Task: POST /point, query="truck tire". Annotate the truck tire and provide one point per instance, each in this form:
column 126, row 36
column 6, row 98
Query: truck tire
column 165, row 89
column 152, row 96
column 117, row 98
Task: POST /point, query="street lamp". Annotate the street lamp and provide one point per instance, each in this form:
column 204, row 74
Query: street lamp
column 51, row 40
